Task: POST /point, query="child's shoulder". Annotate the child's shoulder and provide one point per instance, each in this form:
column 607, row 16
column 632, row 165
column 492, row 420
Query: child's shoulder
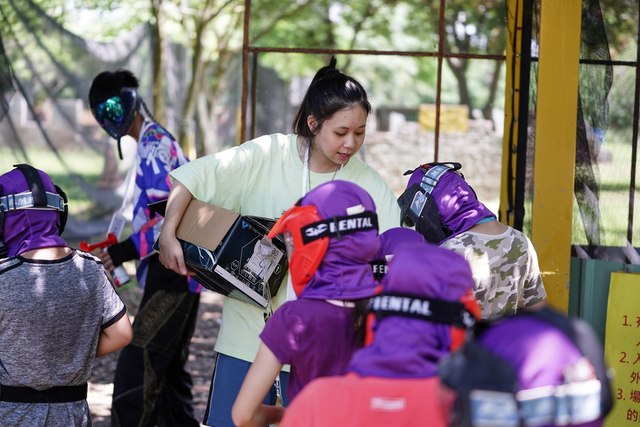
column 154, row 133
column 7, row 264
column 86, row 255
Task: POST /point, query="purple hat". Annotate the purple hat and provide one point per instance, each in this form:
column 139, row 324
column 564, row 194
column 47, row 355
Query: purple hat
column 27, row 229
column 344, row 272
column 391, row 239
column 456, row 201
column 409, row 347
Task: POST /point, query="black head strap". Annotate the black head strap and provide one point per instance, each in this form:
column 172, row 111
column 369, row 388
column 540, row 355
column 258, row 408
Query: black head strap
column 35, row 184
column 41, row 197
column 415, row 307
column 451, row 165
column 378, row 268
column 339, row 226
column 64, row 214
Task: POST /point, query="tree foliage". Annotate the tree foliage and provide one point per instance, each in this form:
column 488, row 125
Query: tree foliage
column 209, row 35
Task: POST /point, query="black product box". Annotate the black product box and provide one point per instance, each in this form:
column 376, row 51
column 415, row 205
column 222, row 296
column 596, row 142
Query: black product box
column 230, row 254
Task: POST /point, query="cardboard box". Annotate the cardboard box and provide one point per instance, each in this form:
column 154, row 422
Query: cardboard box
column 230, row 253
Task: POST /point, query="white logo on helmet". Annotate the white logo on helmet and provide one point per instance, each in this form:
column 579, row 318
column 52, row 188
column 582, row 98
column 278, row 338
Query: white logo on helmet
column 315, row 231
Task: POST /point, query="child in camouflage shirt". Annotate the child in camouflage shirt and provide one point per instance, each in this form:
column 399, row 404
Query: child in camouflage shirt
column 446, row 210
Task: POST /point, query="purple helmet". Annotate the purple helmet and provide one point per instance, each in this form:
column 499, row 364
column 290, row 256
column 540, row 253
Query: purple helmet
column 390, row 240
column 409, row 343
column 332, row 235
column 451, row 207
column 32, row 211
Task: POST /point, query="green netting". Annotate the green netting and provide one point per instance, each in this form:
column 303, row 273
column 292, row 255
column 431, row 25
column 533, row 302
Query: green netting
column 607, row 126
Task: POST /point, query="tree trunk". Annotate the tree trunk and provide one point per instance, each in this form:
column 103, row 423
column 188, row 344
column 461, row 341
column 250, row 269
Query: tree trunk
column 186, row 134
column 157, row 92
column 459, row 70
column 487, row 109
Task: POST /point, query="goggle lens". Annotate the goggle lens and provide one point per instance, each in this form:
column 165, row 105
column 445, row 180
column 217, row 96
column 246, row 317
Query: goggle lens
column 116, row 114
column 110, row 110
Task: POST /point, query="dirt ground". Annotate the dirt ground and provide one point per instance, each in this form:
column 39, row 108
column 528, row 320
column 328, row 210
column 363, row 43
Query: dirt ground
column 200, row 363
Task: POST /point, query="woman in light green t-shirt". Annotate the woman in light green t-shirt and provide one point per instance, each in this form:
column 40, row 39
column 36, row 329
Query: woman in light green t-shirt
column 263, row 177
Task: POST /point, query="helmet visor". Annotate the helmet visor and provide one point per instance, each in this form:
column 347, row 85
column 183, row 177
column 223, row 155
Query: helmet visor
column 412, row 203
column 116, row 114
column 304, row 258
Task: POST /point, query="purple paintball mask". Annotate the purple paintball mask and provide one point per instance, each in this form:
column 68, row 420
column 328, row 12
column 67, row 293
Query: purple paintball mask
column 344, row 215
column 440, row 203
column 33, row 211
column 423, row 298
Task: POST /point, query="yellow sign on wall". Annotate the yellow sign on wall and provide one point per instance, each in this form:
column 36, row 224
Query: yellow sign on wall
column 453, row 118
column 622, row 348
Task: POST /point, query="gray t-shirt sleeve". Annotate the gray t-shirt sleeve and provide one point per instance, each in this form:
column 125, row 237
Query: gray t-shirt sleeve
column 113, row 308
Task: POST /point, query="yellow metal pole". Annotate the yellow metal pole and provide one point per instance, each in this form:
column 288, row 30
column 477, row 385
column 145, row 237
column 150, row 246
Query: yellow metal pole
column 511, row 103
column 555, row 146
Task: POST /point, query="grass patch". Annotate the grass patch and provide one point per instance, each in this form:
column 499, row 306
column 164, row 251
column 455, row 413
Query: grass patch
column 613, row 175
column 80, row 170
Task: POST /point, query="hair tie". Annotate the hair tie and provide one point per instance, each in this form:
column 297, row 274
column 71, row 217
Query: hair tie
column 326, row 71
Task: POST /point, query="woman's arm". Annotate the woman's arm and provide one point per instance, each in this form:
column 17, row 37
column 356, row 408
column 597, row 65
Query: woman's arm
column 115, row 336
column 248, row 409
column 171, row 255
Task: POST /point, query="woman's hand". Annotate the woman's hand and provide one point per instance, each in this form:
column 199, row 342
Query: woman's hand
column 171, row 254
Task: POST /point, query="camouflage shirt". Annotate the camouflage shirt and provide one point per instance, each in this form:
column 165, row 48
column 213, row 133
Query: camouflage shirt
column 505, row 269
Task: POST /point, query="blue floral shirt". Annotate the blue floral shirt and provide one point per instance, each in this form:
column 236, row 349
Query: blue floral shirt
column 158, row 153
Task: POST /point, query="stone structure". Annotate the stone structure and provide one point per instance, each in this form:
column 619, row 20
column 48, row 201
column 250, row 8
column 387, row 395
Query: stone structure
column 395, row 142
column 479, row 150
